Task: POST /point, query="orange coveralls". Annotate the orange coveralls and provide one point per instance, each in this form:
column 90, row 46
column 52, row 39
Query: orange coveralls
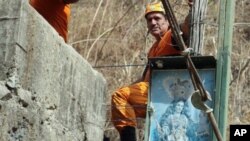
column 130, row 102
column 56, row 12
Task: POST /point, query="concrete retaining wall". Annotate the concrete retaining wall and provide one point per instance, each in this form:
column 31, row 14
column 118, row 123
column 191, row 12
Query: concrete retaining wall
column 48, row 92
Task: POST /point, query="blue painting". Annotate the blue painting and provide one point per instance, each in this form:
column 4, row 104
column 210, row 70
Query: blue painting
column 173, row 117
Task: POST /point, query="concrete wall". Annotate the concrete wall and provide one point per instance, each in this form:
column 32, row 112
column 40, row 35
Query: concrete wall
column 48, row 92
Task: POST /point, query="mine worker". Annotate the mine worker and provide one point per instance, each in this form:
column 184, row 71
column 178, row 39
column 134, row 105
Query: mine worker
column 56, row 12
column 130, row 102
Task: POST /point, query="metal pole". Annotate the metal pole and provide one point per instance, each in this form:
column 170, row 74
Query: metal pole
column 226, row 20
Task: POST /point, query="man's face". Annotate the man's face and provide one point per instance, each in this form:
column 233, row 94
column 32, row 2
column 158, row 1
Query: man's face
column 157, row 24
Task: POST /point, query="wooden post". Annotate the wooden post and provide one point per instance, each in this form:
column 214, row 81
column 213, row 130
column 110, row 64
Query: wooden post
column 226, row 20
column 197, row 26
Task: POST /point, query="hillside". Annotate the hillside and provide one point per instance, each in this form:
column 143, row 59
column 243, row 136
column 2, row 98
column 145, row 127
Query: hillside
column 112, row 36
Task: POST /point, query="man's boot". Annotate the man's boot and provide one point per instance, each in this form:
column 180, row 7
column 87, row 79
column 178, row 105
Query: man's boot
column 105, row 138
column 128, row 134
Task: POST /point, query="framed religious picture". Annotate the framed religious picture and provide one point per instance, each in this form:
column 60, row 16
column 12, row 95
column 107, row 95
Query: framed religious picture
column 171, row 115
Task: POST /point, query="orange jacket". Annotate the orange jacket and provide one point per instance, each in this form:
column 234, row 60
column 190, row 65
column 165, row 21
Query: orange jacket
column 130, row 102
column 164, row 47
column 56, row 12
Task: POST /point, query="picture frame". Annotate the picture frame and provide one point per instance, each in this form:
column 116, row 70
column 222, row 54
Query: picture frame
column 171, row 115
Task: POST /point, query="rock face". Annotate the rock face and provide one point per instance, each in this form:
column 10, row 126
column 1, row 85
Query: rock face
column 48, row 92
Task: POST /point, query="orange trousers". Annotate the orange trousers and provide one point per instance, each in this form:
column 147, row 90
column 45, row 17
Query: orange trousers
column 128, row 103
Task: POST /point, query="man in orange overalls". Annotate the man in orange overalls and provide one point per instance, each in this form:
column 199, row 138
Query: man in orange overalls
column 130, row 102
column 56, row 12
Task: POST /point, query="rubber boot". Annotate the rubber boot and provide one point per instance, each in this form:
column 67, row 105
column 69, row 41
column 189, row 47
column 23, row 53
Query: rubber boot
column 105, row 138
column 128, row 134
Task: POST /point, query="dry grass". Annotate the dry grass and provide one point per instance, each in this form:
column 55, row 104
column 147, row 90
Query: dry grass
column 113, row 32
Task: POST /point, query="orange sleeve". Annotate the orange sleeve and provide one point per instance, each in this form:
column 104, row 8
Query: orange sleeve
column 164, row 47
column 56, row 13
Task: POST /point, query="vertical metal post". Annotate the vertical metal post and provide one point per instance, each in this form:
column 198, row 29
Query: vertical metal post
column 226, row 21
